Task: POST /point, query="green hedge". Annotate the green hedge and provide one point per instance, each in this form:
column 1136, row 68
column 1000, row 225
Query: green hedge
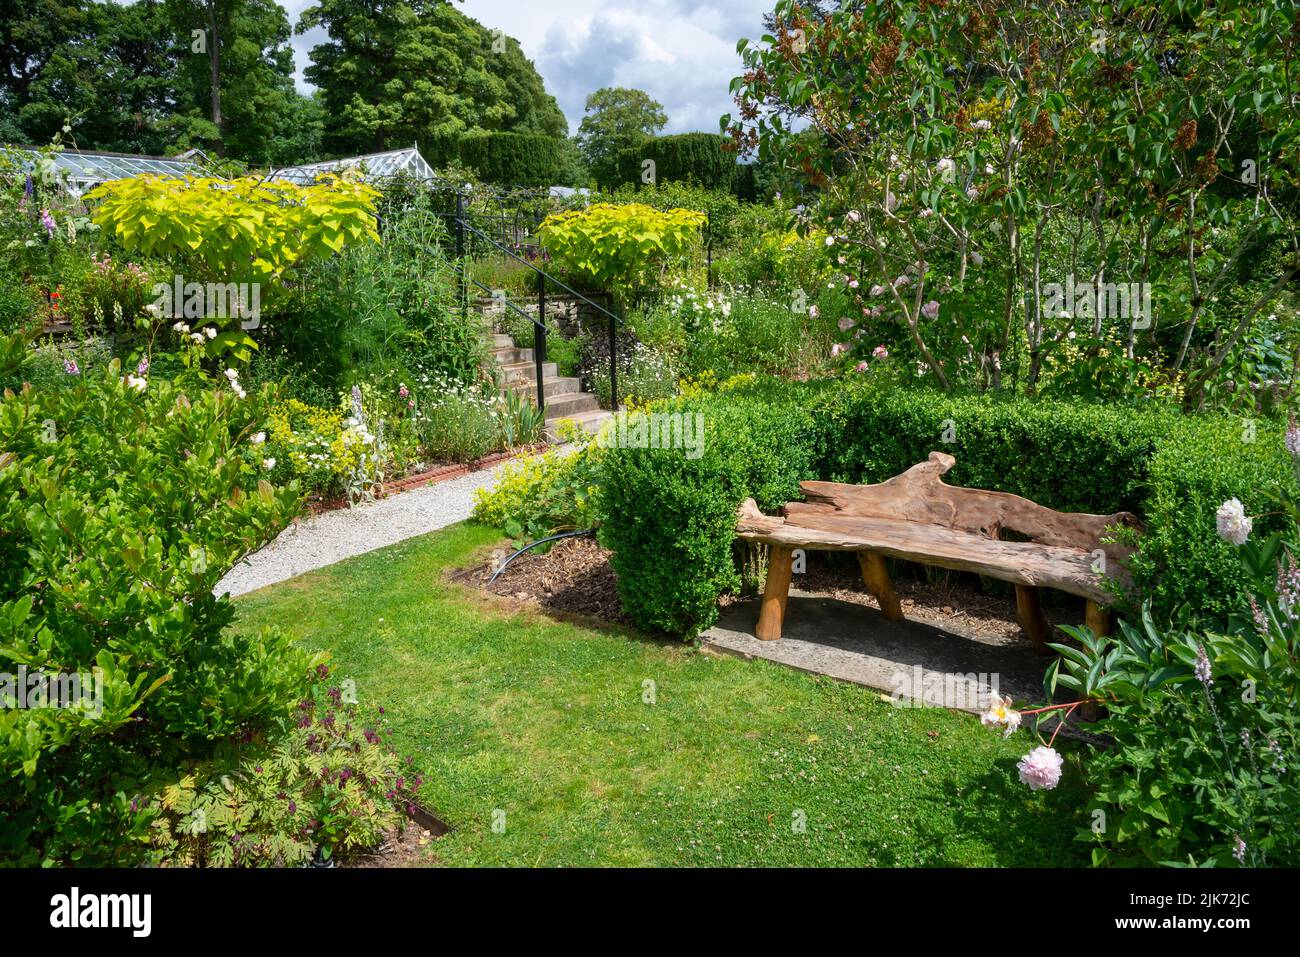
column 515, row 159
column 670, row 520
column 684, row 157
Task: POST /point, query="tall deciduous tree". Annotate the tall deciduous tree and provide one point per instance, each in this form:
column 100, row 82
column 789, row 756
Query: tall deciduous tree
column 396, row 72
column 1125, row 142
column 617, row 118
column 129, row 79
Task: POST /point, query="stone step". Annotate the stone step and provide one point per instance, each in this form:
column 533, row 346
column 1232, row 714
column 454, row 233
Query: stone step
column 563, row 406
column 511, row 354
column 502, row 341
column 553, row 386
column 590, row 421
column 527, row 371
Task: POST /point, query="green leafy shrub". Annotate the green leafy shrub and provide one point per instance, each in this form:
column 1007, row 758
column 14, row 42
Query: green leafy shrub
column 619, row 247
column 672, row 518
column 1202, row 720
column 542, row 494
column 1172, row 471
column 326, row 781
column 123, row 502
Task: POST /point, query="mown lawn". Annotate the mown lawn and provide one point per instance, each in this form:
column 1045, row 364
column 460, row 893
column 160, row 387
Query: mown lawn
column 510, row 711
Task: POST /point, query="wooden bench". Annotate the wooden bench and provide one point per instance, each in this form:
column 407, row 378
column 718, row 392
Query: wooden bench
column 915, row 516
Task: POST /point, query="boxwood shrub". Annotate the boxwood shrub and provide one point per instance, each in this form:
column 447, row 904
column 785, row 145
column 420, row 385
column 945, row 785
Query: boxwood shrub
column 670, row 520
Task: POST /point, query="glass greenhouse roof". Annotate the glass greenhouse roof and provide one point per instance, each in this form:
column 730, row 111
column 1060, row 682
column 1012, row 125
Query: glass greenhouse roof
column 81, row 170
column 375, row 166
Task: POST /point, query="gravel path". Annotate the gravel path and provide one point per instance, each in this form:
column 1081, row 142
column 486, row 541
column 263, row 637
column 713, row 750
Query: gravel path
column 333, row 536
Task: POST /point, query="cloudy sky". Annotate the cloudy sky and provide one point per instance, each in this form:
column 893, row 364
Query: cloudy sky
column 682, row 52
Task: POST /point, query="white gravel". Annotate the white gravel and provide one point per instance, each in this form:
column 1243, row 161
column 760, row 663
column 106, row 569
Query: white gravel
column 333, row 536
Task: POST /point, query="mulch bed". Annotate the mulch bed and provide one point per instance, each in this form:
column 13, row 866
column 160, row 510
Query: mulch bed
column 575, row 577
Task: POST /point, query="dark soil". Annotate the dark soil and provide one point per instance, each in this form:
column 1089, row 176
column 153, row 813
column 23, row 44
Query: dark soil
column 574, row 576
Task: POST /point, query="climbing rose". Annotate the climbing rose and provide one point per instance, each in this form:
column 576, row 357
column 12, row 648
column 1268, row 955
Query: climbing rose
column 1040, row 769
column 1232, row 521
column 1293, row 439
column 930, row 310
column 877, row 289
column 846, row 324
column 880, row 352
column 838, row 349
column 861, row 366
column 853, row 216
column 812, row 312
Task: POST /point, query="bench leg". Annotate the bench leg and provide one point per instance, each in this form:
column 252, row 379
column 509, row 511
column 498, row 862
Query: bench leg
column 1097, row 618
column 876, row 577
column 1032, row 620
column 780, row 564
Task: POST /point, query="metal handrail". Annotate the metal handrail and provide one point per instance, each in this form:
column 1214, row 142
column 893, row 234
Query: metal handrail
column 504, row 297
column 540, row 272
column 539, row 324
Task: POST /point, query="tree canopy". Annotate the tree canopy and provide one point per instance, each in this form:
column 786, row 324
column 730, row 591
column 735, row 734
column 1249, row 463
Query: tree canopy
column 618, row 118
column 397, row 72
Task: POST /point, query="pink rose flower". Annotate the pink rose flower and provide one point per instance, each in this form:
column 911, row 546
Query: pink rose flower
column 861, row 366
column 838, row 349
column 880, row 352
column 930, row 310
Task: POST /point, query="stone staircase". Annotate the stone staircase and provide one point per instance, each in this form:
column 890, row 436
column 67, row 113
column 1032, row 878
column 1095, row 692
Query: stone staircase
column 565, row 399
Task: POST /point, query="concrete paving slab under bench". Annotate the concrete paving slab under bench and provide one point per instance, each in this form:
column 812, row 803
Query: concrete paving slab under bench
column 908, row 659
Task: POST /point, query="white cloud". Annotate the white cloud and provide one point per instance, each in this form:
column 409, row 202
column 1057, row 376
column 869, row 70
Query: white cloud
column 682, row 53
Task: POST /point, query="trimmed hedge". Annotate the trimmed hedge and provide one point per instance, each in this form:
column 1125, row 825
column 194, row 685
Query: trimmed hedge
column 670, row 520
column 514, row 159
column 682, row 157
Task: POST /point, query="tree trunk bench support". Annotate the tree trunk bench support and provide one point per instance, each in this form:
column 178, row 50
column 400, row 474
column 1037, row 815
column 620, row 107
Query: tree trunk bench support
column 916, row 517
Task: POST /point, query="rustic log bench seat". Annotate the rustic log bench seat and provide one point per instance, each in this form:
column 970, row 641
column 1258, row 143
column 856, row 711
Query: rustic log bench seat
column 915, row 516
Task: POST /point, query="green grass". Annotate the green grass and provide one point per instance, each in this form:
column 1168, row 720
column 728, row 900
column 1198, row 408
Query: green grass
column 508, row 710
